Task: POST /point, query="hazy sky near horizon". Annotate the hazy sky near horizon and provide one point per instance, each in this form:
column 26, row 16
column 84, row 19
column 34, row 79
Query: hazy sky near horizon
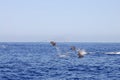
column 60, row 20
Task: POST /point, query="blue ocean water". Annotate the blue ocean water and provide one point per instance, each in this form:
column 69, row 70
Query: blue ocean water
column 39, row 61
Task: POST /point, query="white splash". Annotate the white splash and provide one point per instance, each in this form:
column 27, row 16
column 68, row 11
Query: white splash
column 61, row 55
column 67, row 54
column 82, row 51
column 59, row 52
column 112, row 53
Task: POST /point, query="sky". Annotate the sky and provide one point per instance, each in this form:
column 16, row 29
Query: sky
column 60, row 20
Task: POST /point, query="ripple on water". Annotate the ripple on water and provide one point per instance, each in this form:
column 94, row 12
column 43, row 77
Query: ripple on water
column 39, row 61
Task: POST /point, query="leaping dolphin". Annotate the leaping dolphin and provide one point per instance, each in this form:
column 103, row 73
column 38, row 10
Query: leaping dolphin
column 53, row 43
column 79, row 52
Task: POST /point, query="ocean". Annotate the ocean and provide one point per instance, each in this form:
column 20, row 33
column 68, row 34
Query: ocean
column 40, row 61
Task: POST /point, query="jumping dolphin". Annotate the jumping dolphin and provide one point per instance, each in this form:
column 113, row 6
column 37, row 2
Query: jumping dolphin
column 79, row 52
column 53, row 43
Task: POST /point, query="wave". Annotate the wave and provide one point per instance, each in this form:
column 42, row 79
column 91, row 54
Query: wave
column 62, row 55
column 112, row 52
column 3, row 46
column 103, row 52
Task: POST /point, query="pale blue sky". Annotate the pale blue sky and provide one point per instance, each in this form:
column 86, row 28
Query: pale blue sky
column 60, row 20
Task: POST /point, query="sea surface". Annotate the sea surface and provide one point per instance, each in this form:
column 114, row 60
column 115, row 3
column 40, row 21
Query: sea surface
column 40, row 61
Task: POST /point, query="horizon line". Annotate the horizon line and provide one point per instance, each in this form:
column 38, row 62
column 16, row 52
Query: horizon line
column 58, row 41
